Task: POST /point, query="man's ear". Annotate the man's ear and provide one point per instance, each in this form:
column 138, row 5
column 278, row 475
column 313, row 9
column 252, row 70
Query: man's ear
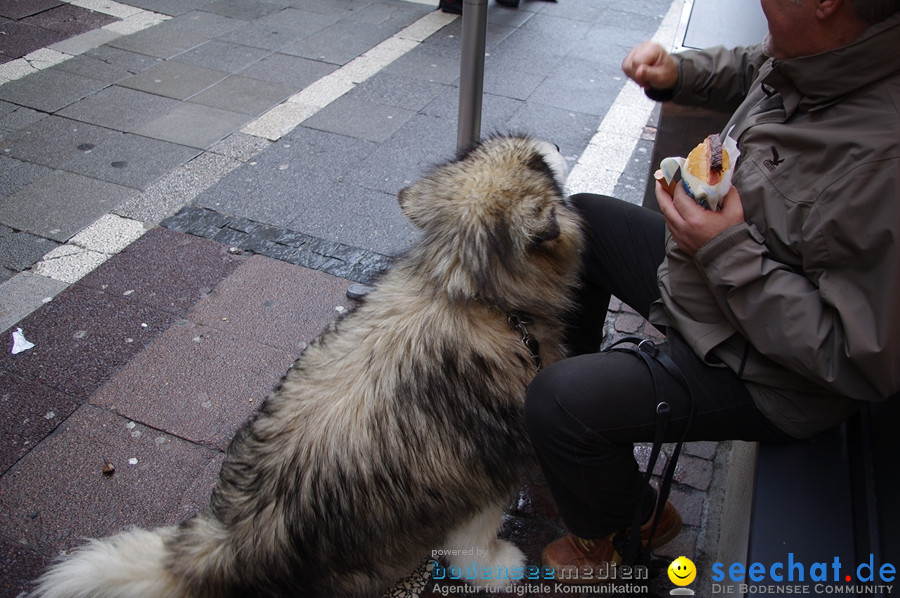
column 827, row 8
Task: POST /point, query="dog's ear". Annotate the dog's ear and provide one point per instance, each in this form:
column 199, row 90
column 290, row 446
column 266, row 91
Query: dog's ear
column 406, row 197
column 547, row 230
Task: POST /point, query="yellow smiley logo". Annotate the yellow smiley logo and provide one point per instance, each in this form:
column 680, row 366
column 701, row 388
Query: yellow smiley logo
column 682, row 571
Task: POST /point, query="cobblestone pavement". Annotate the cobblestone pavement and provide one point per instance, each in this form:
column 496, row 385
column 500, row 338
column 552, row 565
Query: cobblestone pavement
column 188, row 187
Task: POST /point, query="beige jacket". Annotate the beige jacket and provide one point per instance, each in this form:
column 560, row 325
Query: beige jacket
column 803, row 299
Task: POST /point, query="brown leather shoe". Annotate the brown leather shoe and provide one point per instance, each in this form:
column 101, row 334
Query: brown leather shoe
column 579, row 561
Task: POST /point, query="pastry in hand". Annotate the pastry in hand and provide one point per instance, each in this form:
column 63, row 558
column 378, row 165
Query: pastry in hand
column 705, row 173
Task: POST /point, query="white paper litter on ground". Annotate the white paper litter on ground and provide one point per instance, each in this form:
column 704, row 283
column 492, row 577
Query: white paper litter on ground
column 19, row 342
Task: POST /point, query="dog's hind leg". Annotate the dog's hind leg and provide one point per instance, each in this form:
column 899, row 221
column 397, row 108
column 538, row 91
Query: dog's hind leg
column 476, row 541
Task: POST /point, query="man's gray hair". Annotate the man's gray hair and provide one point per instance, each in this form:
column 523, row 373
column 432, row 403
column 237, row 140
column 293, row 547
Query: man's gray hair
column 875, row 11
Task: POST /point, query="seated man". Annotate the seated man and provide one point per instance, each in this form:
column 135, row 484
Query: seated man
column 781, row 309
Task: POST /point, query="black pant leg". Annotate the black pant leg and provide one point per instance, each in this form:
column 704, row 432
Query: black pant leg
column 626, row 244
column 584, row 415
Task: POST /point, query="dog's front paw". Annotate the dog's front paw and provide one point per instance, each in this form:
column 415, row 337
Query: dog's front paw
column 502, row 563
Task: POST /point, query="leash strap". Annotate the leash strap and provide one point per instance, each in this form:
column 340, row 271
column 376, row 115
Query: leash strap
column 657, row 362
column 518, row 321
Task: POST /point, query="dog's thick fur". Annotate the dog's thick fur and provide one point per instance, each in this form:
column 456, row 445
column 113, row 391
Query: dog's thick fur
column 400, row 430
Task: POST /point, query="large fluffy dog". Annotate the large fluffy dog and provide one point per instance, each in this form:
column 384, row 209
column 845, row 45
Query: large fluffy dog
column 400, row 430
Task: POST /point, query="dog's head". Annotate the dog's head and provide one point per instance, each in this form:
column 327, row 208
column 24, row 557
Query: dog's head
column 496, row 218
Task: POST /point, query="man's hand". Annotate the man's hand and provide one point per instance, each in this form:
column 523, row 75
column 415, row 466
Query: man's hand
column 692, row 225
column 649, row 65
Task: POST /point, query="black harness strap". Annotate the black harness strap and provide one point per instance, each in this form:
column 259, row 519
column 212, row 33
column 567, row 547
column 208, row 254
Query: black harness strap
column 518, row 321
column 631, row 548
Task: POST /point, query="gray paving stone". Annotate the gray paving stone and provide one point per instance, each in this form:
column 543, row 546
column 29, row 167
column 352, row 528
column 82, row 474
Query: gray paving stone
column 70, row 139
column 295, row 175
column 16, row 175
column 292, row 71
column 266, row 36
column 13, row 118
column 207, row 24
column 342, row 42
column 158, row 42
column 556, row 25
column 174, row 80
column 399, row 91
column 325, row 7
column 19, row 250
column 590, row 12
column 581, row 86
column 24, row 293
column 86, row 503
column 407, row 155
column 169, row 7
column 131, row 62
column 84, row 42
column 449, row 39
column 320, row 210
column 49, row 90
column 89, row 66
column 496, row 112
column 604, row 38
column 428, row 64
column 359, row 118
column 61, row 204
column 193, row 125
column 119, row 108
column 243, row 95
column 521, row 43
column 394, row 14
column 572, row 131
column 510, row 83
column 131, row 160
column 379, row 225
column 247, row 10
column 301, row 22
column 223, row 56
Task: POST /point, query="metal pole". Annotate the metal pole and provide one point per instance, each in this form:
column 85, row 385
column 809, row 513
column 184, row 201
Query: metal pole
column 471, row 72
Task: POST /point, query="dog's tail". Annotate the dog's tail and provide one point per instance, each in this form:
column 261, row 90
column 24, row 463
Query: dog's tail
column 129, row 564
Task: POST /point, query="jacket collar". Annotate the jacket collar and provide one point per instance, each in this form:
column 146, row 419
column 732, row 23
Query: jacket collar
column 822, row 79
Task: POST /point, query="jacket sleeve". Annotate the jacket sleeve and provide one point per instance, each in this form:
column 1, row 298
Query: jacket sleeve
column 716, row 78
column 835, row 320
